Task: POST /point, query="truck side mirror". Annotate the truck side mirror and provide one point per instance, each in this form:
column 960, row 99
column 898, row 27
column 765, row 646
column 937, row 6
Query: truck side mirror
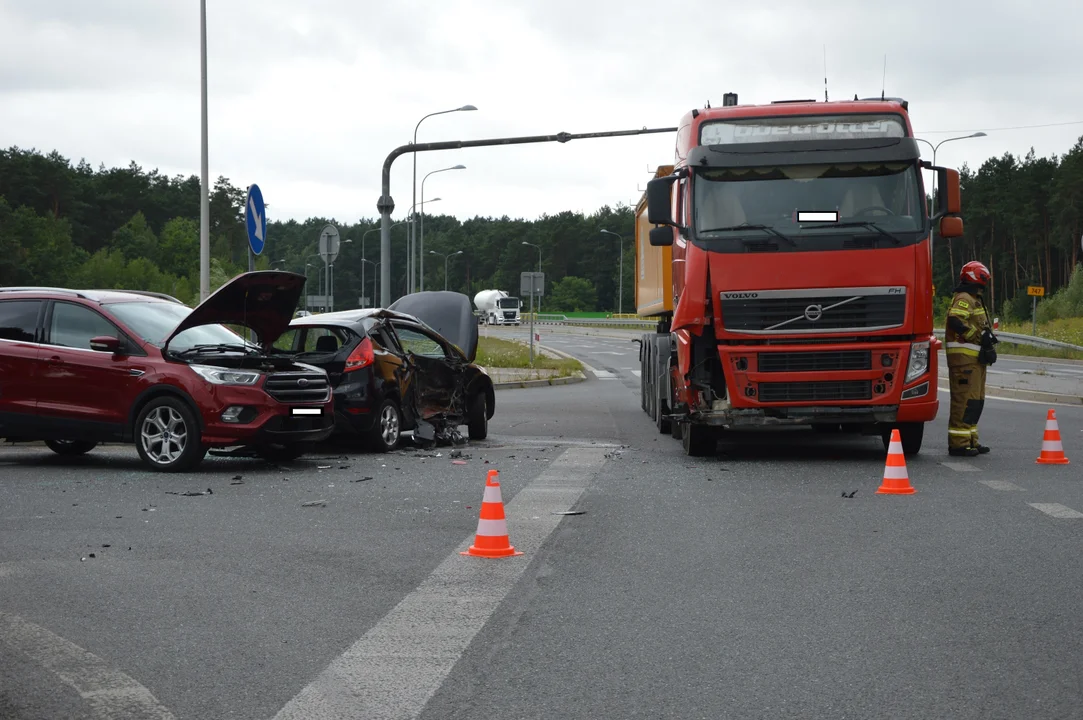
column 660, row 200
column 951, row 227
column 948, row 200
column 661, row 236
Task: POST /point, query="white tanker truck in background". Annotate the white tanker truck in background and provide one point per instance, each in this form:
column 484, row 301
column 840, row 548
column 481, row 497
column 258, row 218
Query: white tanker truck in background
column 496, row 307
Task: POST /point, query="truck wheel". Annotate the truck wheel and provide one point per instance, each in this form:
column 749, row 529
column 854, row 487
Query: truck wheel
column 478, row 417
column 661, row 408
column 70, row 448
column 167, row 436
column 697, row 440
column 911, row 434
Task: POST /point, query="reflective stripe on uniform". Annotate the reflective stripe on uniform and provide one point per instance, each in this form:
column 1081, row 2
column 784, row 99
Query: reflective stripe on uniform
column 962, row 314
column 964, row 433
column 959, row 348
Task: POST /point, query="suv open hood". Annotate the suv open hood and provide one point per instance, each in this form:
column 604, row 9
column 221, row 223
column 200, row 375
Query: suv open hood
column 262, row 301
column 449, row 313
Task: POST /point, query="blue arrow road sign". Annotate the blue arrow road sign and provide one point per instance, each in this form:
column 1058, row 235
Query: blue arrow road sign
column 256, row 220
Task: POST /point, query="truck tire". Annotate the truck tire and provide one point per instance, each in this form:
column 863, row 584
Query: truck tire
column 697, row 440
column 911, row 434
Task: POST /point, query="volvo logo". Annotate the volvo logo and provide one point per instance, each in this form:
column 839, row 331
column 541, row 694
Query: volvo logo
column 740, row 295
column 814, row 312
column 303, row 382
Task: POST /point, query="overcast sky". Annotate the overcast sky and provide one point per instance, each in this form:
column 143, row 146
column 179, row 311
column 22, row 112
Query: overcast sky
column 308, row 98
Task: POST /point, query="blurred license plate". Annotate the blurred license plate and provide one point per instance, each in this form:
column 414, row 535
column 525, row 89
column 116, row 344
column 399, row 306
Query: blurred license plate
column 306, row 411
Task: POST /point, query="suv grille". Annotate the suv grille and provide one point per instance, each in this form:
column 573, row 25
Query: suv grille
column 298, row 387
column 814, row 361
column 811, row 311
column 812, row 391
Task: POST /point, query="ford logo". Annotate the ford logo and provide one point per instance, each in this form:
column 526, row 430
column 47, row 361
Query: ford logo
column 303, row 382
column 814, row 313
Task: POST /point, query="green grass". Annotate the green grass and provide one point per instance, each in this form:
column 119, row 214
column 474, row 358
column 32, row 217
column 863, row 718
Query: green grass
column 497, row 353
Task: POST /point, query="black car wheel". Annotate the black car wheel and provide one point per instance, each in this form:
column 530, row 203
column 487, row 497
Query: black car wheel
column 70, row 448
column 167, row 436
column 387, row 429
column 478, row 417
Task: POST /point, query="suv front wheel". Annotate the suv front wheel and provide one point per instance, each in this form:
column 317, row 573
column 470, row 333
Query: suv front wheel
column 167, row 436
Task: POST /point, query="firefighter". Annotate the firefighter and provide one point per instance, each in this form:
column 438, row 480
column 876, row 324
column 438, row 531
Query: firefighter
column 969, row 349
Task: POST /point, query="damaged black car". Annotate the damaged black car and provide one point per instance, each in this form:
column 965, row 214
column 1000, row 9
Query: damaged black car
column 409, row 367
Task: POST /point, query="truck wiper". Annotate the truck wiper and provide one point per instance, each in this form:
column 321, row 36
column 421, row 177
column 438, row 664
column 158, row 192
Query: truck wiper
column 865, row 224
column 747, row 226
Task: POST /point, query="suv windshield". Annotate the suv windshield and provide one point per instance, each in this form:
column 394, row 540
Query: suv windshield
column 881, row 200
column 154, row 321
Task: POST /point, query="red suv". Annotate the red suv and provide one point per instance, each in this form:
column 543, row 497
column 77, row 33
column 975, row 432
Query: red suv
column 81, row 367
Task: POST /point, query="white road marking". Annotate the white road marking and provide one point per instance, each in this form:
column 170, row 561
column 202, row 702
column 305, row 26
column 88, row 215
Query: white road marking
column 397, row 666
column 1000, row 484
column 109, row 693
column 1043, row 403
column 960, row 466
column 1057, row 510
column 637, row 373
column 608, row 352
column 604, row 374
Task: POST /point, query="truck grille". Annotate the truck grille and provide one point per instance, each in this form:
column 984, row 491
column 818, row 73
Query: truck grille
column 298, row 387
column 814, row 361
column 813, row 391
column 814, row 311
column 509, row 315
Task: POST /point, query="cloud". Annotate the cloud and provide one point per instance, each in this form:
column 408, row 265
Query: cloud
column 308, row 99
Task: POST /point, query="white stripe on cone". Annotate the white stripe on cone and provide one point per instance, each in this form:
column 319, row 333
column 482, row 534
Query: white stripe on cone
column 1051, row 425
column 895, row 473
column 492, row 528
column 492, row 494
column 895, row 448
column 1048, row 445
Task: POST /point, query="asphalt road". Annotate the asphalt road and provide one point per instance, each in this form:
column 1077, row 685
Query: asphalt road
column 739, row 586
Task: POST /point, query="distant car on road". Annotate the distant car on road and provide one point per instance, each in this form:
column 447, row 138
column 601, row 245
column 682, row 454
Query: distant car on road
column 82, row 367
column 409, row 367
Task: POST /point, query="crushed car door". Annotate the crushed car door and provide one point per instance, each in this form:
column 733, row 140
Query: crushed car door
column 435, row 381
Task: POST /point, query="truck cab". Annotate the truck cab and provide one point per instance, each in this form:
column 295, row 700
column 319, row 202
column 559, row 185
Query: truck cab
column 798, row 240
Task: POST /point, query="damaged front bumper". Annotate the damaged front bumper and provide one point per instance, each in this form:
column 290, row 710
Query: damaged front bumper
column 722, row 415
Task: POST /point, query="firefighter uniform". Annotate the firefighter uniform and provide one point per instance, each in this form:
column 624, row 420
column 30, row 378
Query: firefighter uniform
column 966, row 375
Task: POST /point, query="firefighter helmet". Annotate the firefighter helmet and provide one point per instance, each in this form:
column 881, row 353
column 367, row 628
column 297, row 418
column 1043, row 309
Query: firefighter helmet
column 974, row 273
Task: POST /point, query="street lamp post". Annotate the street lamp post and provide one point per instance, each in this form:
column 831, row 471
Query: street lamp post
column 410, row 241
column 385, row 204
column 932, row 231
column 620, row 291
column 532, row 294
column 363, row 260
column 204, row 173
column 446, row 258
column 421, row 233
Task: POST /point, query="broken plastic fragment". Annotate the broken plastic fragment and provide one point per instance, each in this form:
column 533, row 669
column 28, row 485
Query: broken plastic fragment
column 314, row 503
column 570, row 512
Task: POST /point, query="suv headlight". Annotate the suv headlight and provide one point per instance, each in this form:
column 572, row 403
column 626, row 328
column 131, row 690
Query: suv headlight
column 919, row 361
column 225, row 376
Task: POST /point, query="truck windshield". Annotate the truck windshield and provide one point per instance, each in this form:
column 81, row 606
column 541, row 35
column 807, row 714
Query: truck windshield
column 734, row 205
column 509, row 303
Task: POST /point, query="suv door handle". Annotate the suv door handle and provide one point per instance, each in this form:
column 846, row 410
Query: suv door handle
column 55, row 360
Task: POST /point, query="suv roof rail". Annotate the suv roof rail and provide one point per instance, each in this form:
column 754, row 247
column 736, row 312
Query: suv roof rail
column 27, row 288
column 147, row 293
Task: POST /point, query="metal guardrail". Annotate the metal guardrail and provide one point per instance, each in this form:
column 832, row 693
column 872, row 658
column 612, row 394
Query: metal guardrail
column 1012, row 338
column 1038, row 342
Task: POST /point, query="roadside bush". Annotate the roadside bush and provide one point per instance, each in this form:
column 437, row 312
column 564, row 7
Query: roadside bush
column 1066, row 302
column 1017, row 309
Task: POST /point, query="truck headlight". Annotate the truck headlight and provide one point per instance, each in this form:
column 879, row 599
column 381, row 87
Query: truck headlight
column 919, row 361
column 225, row 376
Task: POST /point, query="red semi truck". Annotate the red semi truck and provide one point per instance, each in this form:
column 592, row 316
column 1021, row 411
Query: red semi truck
column 787, row 257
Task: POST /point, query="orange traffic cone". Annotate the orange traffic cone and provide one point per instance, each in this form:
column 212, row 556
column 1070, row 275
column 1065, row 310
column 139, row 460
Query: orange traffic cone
column 1052, row 450
column 896, row 481
column 492, row 540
